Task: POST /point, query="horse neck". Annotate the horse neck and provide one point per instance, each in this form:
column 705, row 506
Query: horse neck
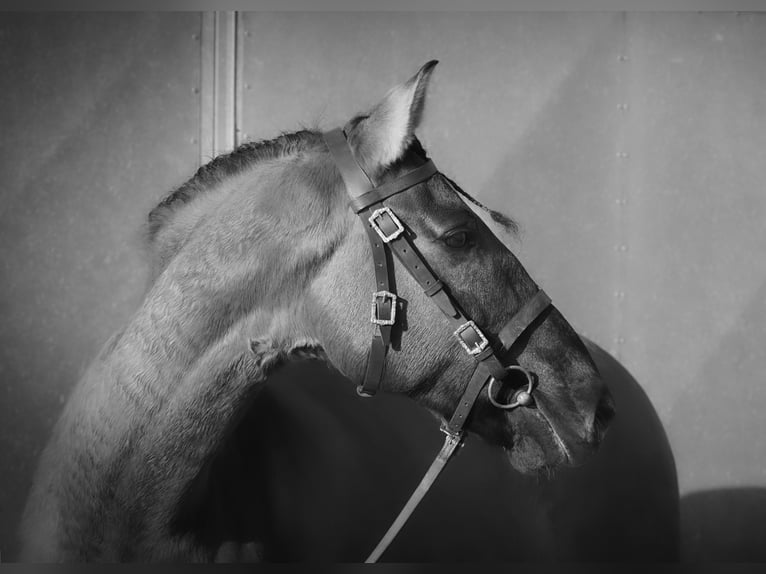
column 260, row 245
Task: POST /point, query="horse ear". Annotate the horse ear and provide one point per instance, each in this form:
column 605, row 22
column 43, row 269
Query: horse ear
column 382, row 137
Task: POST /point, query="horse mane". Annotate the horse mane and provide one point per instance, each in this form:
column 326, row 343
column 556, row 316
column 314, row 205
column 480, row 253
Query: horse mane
column 210, row 175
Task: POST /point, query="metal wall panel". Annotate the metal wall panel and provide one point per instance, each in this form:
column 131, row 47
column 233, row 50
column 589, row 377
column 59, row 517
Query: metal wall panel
column 100, row 117
column 630, row 148
column 696, row 232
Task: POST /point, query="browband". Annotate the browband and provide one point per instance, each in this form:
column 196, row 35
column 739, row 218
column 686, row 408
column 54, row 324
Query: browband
column 409, row 179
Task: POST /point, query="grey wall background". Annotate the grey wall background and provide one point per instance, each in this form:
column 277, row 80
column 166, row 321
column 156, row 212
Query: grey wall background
column 630, row 146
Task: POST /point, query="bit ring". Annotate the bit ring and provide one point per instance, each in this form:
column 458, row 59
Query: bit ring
column 521, row 398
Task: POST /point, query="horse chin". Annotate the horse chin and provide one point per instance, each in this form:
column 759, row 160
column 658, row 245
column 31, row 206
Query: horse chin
column 539, row 453
column 527, row 459
column 531, row 463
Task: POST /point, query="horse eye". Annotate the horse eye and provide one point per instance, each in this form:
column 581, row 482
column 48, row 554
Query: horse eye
column 457, row 240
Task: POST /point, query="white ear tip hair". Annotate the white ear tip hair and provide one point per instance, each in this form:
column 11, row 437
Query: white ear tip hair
column 385, row 134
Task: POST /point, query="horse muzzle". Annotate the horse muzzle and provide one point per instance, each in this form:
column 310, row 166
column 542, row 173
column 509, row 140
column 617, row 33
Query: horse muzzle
column 578, row 437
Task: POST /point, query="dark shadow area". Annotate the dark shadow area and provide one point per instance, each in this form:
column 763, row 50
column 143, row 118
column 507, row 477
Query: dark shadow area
column 313, row 472
column 724, row 525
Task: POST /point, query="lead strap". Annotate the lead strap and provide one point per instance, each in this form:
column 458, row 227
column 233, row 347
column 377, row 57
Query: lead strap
column 451, row 443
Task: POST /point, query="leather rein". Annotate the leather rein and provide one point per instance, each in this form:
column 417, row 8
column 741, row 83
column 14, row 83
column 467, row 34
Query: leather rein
column 386, row 232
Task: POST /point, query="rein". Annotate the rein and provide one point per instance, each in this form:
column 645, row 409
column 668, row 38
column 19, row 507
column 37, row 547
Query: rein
column 387, row 233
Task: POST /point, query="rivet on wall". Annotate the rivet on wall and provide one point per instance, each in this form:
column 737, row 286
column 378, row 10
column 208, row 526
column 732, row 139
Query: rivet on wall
column 196, row 91
column 622, row 156
column 241, row 33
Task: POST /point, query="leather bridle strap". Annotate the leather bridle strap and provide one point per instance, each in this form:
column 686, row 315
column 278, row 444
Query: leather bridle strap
column 523, row 318
column 383, row 306
column 356, row 180
column 409, row 179
column 384, row 302
column 519, row 323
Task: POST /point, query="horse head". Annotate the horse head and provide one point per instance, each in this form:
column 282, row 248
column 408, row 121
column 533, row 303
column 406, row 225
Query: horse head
column 571, row 406
column 279, row 237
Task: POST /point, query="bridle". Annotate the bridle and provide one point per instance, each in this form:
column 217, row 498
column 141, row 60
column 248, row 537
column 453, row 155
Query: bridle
column 386, row 232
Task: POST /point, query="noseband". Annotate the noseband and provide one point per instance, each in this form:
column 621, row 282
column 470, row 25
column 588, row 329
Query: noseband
column 386, row 232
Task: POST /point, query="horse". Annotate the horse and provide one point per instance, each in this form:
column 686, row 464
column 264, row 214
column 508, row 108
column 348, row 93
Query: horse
column 166, row 448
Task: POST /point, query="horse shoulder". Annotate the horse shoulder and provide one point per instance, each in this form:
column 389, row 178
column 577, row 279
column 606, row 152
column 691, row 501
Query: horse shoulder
column 629, row 491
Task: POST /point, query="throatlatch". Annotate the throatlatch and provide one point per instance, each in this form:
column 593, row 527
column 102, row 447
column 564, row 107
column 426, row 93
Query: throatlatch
column 387, row 233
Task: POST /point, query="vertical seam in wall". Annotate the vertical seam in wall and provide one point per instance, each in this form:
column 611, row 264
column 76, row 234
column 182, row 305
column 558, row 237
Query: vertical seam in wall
column 220, row 63
column 238, row 78
column 229, row 58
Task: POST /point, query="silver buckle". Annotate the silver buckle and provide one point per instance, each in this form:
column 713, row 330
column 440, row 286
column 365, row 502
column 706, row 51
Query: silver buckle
column 478, row 347
column 392, row 318
column 399, row 227
column 453, row 435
